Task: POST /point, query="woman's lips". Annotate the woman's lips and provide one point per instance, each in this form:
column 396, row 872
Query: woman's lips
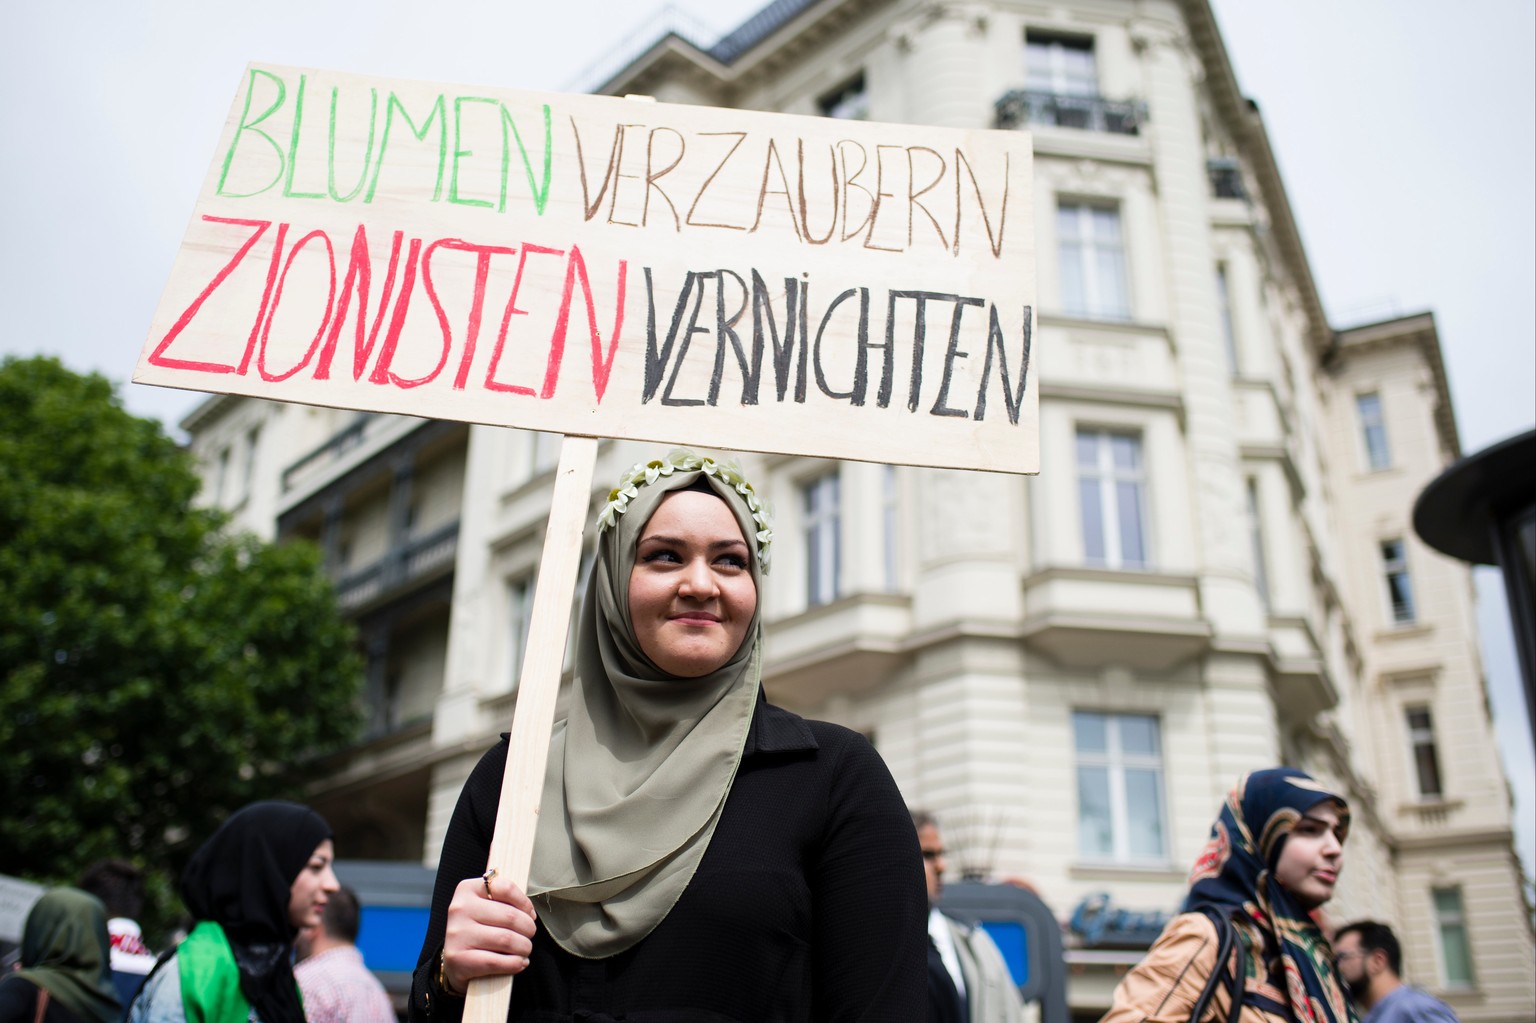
column 696, row 618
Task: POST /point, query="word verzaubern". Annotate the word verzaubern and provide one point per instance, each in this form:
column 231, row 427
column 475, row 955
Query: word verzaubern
column 612, row 267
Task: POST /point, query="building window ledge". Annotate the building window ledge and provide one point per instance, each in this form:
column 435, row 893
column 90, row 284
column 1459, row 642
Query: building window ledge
column 1409, row 630
column 1101, row 870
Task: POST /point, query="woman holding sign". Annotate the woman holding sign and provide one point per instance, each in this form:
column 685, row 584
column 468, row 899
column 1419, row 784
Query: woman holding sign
column 701, row 854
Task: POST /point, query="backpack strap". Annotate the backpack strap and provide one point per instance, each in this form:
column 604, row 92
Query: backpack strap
column 1228, row 944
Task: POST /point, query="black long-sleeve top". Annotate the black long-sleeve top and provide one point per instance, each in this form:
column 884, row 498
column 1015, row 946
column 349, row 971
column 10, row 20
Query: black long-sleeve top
column 809, row 903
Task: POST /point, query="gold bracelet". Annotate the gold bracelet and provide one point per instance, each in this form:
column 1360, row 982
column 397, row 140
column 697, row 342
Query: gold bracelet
column 442, row 976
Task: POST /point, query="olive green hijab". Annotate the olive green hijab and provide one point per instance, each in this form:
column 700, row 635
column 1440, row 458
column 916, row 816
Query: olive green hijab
column 65, row 951
column 639, row 772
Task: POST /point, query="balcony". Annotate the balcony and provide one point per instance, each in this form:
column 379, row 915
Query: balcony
column 419, row 558
column 1062, row 110
column 335, row 447
column 1226, row 178
column 1093, row 617
column 846, row 648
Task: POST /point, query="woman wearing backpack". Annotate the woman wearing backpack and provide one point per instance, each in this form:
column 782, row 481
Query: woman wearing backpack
column 1246, row 929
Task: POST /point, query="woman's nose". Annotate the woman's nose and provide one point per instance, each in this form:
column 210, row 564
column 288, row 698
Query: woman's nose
column 698, row 580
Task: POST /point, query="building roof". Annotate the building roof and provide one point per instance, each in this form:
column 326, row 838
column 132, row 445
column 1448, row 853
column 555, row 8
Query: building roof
column 756, row 28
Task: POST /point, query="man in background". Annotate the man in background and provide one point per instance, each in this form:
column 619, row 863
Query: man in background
column 968, row 979
column 336, row 985
column 1370, row 963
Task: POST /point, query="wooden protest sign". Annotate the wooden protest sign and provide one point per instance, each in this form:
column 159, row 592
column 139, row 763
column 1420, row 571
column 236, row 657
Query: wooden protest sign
column 594, row 266
column 599, row 267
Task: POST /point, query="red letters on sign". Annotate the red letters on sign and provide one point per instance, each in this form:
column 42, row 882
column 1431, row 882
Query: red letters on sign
column 351, row 302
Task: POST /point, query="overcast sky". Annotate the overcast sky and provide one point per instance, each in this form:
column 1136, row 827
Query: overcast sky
column 1406, row 136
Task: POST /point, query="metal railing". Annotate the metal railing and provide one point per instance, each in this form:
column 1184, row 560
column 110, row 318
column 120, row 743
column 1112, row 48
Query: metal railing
column 411, row 560
column 1226, row 178
column 1062, row 110
column 338, row 444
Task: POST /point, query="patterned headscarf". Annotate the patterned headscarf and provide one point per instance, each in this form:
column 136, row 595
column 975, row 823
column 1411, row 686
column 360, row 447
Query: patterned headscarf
column 1236, row 875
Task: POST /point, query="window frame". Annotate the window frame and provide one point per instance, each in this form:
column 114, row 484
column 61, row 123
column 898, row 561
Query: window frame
column 855, row 87
column 1375, row 444
column 1395, row 570
column 1228, row 321
column 518, row 592
column 1445, row 920
column 1256, row 535
column 1116, row 762
column 1106, row 479
column 1421, row 737
column 821, row 529
column 1095, row 301
column 890, row 518
column 1052, row 74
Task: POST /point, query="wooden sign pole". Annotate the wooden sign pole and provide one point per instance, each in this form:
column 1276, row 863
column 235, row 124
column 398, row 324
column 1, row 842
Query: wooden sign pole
column 537, row 691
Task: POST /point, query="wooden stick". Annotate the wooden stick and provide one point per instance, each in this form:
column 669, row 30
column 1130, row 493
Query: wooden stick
column 538, row 688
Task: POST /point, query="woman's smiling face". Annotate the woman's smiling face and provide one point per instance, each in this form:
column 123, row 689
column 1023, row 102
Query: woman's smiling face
column 691, row 594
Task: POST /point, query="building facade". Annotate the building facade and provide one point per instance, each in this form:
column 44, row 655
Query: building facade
column 1214, row 571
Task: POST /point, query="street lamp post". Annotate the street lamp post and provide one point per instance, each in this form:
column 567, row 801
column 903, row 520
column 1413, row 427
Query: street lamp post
column 1483, row 510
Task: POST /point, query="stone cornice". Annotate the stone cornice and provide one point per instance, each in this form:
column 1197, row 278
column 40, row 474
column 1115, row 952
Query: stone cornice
column 1417, row 330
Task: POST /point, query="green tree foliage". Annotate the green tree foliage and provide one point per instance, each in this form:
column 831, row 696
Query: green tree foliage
column 156, row 673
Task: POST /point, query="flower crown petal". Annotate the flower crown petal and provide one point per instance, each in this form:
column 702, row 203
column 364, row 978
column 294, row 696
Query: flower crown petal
column 682, row 460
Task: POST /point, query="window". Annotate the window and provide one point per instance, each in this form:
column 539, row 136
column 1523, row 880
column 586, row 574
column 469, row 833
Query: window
column 544, row 454
column 822, row 547
column 1394, row 566
column 519, row 615
column 1228, row 333
column 1119, row 787
column 1373, row 429
column 1093, row 281
column 1110, row 484
column 848, row 102
column 252, row 438
column 1426, row 756
column 890, row 523
column 221, row 477
column 1062, row 65
column 1455, row 946
column 1256, row 539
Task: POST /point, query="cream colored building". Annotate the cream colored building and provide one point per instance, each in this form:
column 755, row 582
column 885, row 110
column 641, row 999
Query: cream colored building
column 1214, row 572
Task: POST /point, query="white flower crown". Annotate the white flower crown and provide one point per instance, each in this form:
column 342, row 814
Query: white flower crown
column 683, row 460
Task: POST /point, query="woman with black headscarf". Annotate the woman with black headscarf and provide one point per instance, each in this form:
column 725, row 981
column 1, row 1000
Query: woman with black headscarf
column 700, row 854
column 261, row 877
column 65, row 964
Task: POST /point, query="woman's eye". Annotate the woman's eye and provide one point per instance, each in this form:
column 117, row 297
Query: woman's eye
column 661, row 554
column 732, row 561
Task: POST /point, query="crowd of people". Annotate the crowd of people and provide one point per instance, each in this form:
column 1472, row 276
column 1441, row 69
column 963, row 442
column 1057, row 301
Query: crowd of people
column 700, row 856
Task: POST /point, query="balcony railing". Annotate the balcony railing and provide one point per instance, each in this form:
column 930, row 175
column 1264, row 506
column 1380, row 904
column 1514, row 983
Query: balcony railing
column 415, row 559
column 1226, row 178
column 1062, row 110
column 338, row 444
